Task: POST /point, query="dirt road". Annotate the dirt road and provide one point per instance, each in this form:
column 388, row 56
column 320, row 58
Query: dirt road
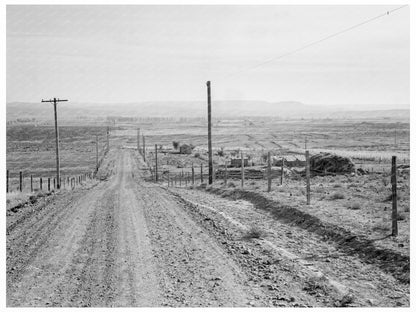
column 123, row 242
column 126, row 242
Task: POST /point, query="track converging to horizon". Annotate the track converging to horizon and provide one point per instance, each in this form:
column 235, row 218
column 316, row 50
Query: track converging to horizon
column 123, row 242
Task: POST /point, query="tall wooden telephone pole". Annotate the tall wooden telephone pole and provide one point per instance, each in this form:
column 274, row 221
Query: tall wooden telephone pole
column 138, row 140
column 209, row 134
column 54, row 101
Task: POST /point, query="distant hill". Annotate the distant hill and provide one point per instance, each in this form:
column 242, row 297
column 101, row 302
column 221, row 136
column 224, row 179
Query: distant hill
column 292, row 109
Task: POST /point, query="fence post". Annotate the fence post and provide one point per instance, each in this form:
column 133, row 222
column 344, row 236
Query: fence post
column 394, row 197
column 96, row 153
column 20, row 181
column 31, row 183
column 242, row 170
column 49, row 184
column 202, row 176
column 7, row 181
column 40, row 184
column 269, row 172
column 308, row 182
column 193, row 174
column 225, row 174
column 282, row 171
column 156, row 173
column 54, row 183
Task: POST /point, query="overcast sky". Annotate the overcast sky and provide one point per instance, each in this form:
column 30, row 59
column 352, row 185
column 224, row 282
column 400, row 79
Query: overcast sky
column 140, row 53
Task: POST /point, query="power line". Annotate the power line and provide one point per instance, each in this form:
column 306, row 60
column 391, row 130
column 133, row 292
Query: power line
column 317, row 41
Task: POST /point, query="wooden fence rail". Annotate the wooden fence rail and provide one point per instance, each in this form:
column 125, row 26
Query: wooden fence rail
column 37, row 184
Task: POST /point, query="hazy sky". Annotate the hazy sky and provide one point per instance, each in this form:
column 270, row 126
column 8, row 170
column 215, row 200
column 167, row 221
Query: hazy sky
column 140, row 53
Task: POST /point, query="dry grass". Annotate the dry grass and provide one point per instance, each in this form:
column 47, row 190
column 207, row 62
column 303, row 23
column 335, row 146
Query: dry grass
column 231, row 184
column 254, row 232
column 382, row 227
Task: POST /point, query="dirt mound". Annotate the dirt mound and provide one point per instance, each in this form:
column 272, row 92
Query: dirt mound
column 330, row 163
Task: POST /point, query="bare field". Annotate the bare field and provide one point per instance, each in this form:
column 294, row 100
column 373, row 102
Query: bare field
column 361, row 140
column 31, row 149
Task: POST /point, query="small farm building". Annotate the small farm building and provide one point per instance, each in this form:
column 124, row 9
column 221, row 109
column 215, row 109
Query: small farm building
column 236, row 162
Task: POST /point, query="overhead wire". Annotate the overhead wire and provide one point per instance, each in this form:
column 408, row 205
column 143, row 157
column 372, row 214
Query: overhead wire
column 315, row 42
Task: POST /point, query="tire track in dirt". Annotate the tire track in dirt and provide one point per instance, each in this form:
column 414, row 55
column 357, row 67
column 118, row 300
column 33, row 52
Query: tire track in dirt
column 31, row 236
column 366, row 285
column 90, row 252
column 51, row 248
column 194, row 270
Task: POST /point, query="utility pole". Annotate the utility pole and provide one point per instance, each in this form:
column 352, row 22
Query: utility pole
column 394, row 196
column 269, row 172
column 138, row 140
column 54, row 101
column 308, row 179
column 209, row 134
column 144, row 149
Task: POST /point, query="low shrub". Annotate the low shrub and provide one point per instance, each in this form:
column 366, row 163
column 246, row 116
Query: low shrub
column 346, row 300
column 317, row 285
column 337, row 195
column 354, row 206
column 401, row 216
